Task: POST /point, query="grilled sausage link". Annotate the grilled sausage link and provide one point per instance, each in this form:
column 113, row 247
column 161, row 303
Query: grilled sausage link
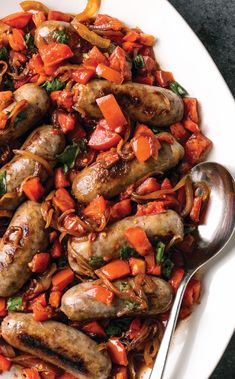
column 146, row 104
column 78, row 305
column 24, row 237
column 38, row 106
column 107, row 245
column 57, row 343
column 42, row 142
column 98, row 179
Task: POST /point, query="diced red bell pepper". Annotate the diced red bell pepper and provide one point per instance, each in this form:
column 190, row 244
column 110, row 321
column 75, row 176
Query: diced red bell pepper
column 103, row 139
column 96, row 208
column 153, row 207
column 137, row 266
column 120, row 209
column 116, row 269
column 191, row 126
column 179, row 132
column 39, row 262
column 17, row 20
column 191, row 109
column 109, row 74
column 3, row 307
column 58, row 16
column 176, row 278
column 138, row 239
column 142, row 147
column 152, row 267
column 119, row 63
column 196, row 148
column 117, row 351
column 63, row 200
column 134, row 329
column 164, row 77
column 33, row 189
column 148, row 186
column 54, row 299
column 60, row 178
column 94, row 329
column 83, row 75
column 111, row 111
column 100, row 293
column 62, row 279
column 166, row 184
column 95, row 57
column 55, row 53
column 56, row 250
column 41, row 313
column 38, row 18
column 16, row 40
column 192, row 293
column 66, row 121
column 147, row 79
column 5, row 364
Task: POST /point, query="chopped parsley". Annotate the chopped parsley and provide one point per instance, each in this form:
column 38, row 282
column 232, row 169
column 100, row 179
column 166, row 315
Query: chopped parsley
column 123, row 286
column 21, row 116
column 160, row 248
column 96, row 261
column 29, row 40
column 70, row 153
column 15, row 304
column 3, row 53
column 117, row 327
column 131, row 305
column 3, row 183
column 60, row 36
column 54, row 85
column 178, row 89
column 126, row 252
column 138, row 62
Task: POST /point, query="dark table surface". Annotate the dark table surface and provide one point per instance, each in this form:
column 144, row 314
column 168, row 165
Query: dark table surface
column 214, row 23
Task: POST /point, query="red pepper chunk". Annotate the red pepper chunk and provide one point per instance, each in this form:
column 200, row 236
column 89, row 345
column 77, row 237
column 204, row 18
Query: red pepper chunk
column 41, row 313
column 55, row 53
column 196, row 209
column 58, row 16
column 138, row 239
column 66, row 121
column 116, row 269
column 5, row 364
column 148, row 186
column 63, row 200
column 94, row 329
column 142, row 147
column 134, row 329
column 103, row 139
column 39, row 262
column 120, row 209
column 196, row 148
column 191, row 109
column 60, row 178
column 121, row 373
column 179, row 132
column 54, row 299
column 33, row 189
column 56, row 250
column 117, row 351
column 31, row 373
column 138, row 266
column 111, row 111
column 17, row 20
column 109, row 74
column 83, row 75
column 151, row 208
column 176, row 277
column 164, row 77
column 3, row 307
column 101, row 294
column 96, row 208
column 62, row 279
column 192, row 293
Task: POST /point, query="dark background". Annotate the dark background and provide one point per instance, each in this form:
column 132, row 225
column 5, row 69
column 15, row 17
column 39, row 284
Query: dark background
column 214, row 23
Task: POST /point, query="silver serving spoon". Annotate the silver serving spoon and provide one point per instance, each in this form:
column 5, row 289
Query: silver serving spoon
column 213, row 235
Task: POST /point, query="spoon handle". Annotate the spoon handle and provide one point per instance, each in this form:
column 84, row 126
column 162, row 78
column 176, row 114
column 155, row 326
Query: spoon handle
column 159, row 365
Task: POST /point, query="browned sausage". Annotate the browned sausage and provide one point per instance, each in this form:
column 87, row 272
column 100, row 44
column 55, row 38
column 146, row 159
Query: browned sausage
column 24, row 237
column 98, row 179
column 79, row 306
column 107, row 244
column 147, row 104
column 57, row 343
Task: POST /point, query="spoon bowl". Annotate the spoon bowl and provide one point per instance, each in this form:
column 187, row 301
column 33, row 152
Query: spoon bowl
column 214, row 233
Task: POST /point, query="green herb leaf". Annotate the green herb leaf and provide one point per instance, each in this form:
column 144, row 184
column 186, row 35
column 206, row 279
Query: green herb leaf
column 21, row 116
column 123, row 286
column 117, row 327
column 131, row 304
column 127, row 252
column 160, row 248
column 8, row 84
column 138, row 62
column 29, row 40
column 178, row 89
column 96, row 261
column 70, row 153
column 167, row 267
column 54, row 85
column 60, row 36
column 15, row 304
column 3, row 183
column 3, row 53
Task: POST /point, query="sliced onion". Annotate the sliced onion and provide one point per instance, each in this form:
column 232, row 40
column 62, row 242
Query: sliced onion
column 90, row 36
column 34, row 6
column 91, row 9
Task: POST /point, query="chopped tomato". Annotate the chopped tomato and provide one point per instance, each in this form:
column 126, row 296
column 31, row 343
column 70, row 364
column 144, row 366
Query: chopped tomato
column 31, row 373
column 191, row 109
column 196, row 148
column 33, row 189
column 164, row 77
column 64, row 99
column 121, row 373
column 16, row 40
column 54, row 299
column 17, row 20
column 179, row 132
column 166, row 184
column 116, row 269
column 137, row 266
column 134, row 329
column 55, row 53
column 41, row 313
column 153, row 207
column 142, row 129
column 56, row 250
column 36, row 64
column 62, row 279
column 152, row 267
column 109, row 74
column 58, row 16
column 148, row 186
column 63, row 200
column 142, row 147
column 176, row 277
column 100, row 294
column 119, row 63
column 72, row 224
column 38, row 18
column 61, row 179
column 94, row 329
column 192, row 293
column 120, row 209
column 95, row 57
column 83, row 75
column 196, row 209
column 111, row 111
column 66, row 121
column 103, row 139
column 3, row 307
column 117, row 351
column 138, row 239
column 191, row 126
column 39, row 262
column 96, row 208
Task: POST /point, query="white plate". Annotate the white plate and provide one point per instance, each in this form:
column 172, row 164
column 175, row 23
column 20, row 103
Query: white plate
column 200, row 340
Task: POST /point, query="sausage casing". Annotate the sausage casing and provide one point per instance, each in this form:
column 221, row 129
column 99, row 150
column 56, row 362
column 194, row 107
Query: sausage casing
column 107, row 245
column 57, row 343
column 38, row 106
column 98, row 179
column 79, row 306
column 146, row 104
column 24, row 237
column 42, row 142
